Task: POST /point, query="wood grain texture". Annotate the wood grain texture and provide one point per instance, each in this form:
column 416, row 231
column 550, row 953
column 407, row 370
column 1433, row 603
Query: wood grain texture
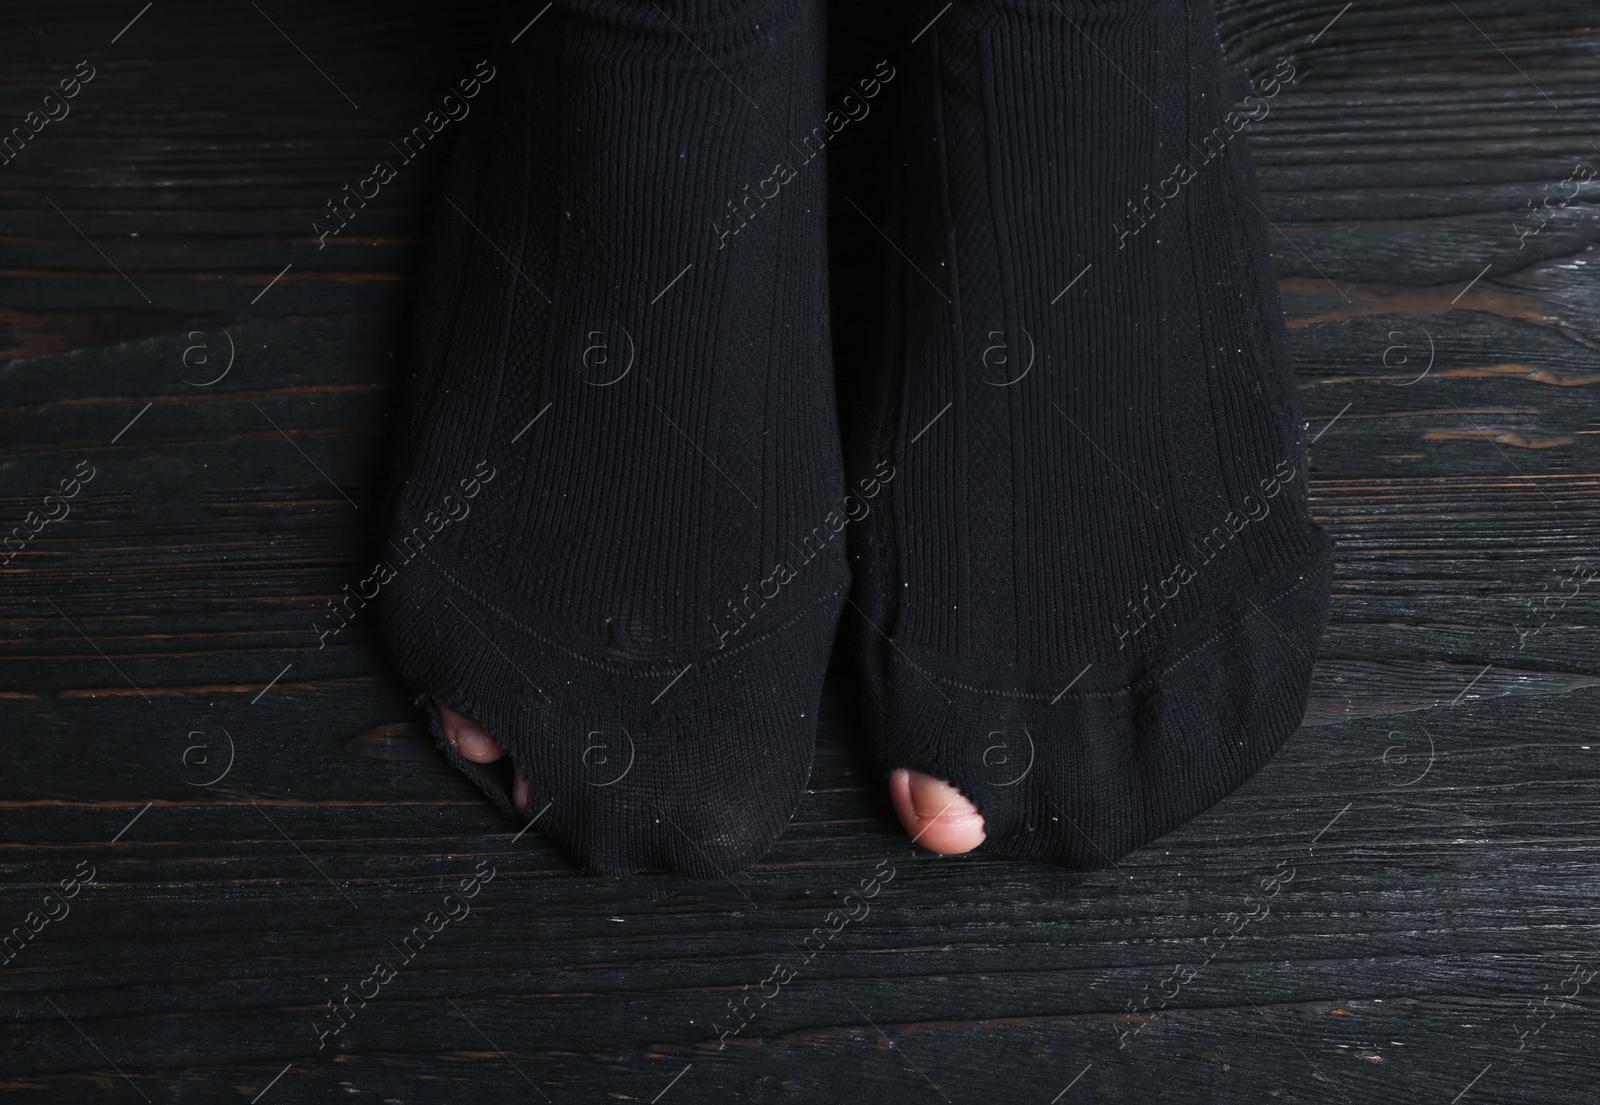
column 1439, row 810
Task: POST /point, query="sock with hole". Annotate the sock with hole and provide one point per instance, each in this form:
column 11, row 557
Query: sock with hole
column 612, row 544
column 1094, row 588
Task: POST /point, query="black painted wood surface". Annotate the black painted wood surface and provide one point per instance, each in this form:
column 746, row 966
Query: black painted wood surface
column 1434, row 828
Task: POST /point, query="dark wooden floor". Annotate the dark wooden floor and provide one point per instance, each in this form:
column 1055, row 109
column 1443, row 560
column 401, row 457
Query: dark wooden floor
column 254, row 823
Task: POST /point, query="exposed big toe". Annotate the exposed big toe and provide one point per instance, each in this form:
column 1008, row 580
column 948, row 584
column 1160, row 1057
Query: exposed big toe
column 467, row 738
column 937, row 815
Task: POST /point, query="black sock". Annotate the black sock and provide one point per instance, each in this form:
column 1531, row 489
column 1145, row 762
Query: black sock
column 1101, row 473
column 613, row 545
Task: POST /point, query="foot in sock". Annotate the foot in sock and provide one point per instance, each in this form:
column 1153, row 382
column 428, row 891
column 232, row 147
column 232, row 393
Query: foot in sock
column 1094, row 591
column 621, row 418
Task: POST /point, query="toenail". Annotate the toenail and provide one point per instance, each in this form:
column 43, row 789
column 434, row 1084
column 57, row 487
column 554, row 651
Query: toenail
column 467, row 738
column 933, row 797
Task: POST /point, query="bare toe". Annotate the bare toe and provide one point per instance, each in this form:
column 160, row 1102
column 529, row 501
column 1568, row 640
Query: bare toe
column 469, row 740
column 936, row 814
column 521, row 791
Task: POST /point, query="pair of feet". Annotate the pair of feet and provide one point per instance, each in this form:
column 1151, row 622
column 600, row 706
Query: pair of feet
column 1070, row 537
